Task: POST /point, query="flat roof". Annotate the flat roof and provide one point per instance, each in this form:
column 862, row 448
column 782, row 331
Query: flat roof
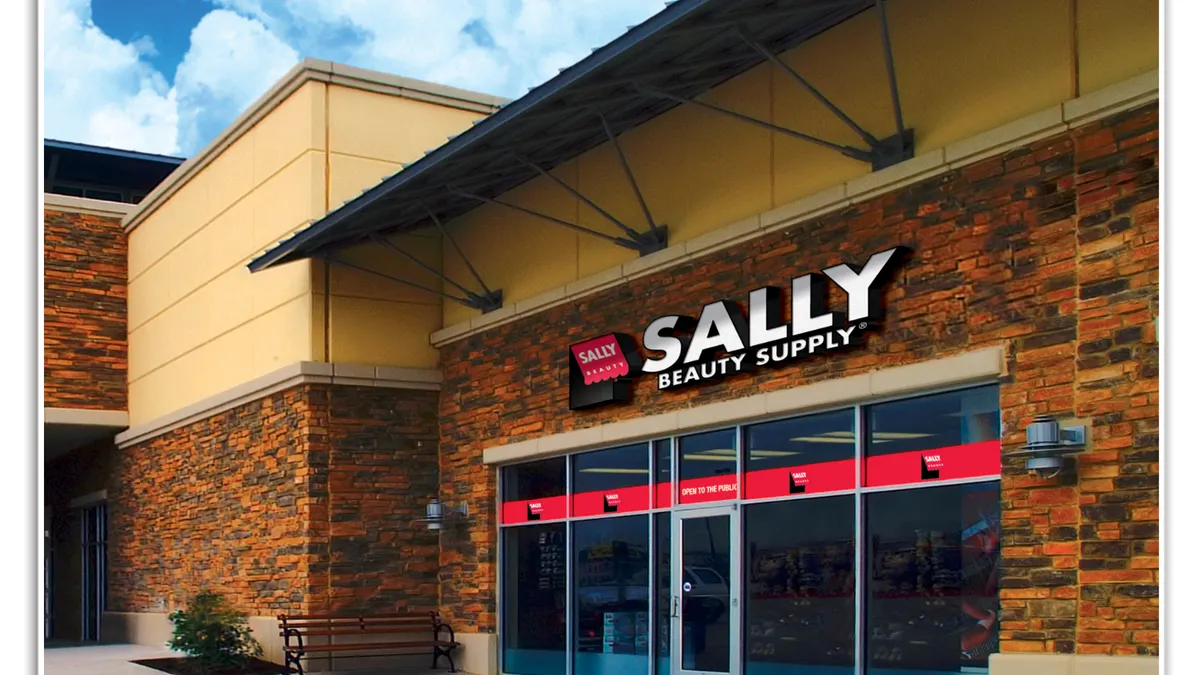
column 684, row 50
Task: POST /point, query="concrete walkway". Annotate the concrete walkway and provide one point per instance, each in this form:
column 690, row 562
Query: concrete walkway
column 93, row 659
column 102, row 659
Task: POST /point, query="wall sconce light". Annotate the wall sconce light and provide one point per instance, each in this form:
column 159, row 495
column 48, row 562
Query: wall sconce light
column 438, row 514
column 1047, row 445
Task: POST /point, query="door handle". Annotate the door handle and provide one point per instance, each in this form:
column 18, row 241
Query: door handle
column 674, row 606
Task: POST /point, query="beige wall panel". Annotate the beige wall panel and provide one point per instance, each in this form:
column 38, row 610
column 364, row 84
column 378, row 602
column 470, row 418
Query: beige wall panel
column 148, row 295
column 224, row 362
column 296, row 126
column 231, row 175
column 599, row 176
column 271, row 288
column 389, row 128
column 350, row 282
column 1118, row 39
column 281, row 337
column 173, row 222
column 377, row 332
column 350, row 175
column 966, row 67
column 317, row 301
column 288, row 201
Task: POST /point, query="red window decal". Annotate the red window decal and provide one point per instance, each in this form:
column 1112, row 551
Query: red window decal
column 803, row 479
column 600, row 359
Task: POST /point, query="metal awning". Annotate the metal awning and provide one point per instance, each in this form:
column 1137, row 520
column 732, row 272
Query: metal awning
column 681, row 52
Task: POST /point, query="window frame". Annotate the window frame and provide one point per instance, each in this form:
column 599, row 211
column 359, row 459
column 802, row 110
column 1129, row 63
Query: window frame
column 860, row 410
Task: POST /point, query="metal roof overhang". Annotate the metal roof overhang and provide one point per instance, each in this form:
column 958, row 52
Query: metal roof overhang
column 679, row 53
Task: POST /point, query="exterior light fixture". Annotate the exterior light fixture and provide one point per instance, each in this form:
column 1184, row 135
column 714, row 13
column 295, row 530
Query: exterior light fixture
column 1047, row 445
column 438, row 514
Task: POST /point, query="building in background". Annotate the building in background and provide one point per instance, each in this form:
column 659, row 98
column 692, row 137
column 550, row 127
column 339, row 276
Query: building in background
column 717, row 341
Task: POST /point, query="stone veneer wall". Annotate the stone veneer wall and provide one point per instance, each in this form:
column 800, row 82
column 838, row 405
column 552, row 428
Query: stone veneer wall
column 1050, row 250
column 301, row 501
column 85, row 318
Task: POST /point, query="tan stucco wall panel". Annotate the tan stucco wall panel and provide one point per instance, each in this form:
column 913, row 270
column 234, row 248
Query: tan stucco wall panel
column 376, row 332
column 350, row 282
column 964, row 68
column 1118, row 39
column 389, row 128
column 350, row 175
column 295, row 126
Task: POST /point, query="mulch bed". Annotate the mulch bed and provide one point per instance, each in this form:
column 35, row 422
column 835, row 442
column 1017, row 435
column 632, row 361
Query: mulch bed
column 182, row 666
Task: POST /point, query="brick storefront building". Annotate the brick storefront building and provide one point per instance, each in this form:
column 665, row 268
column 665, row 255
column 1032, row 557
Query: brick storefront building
column 303, row 380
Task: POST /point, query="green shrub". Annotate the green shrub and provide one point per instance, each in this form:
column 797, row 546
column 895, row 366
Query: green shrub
column 212, row 634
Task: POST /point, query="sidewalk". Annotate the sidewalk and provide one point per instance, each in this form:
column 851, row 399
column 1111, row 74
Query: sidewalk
column 101, row 659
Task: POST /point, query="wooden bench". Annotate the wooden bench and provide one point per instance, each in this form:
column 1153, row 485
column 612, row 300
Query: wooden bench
column 298, row 630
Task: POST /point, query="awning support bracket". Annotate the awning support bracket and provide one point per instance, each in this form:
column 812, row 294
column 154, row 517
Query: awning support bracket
column 487, row 302
column 660, row 232
column 366, row 270
column 848, row 151
column 891, row 69
column 759, row 47
column 642, row 243
column 493, row 299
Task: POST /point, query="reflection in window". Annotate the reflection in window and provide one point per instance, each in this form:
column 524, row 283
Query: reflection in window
column 936, row 421
column 807, row 454
column 612, row 592
column 704, row 610
column 932, row 599
column 708, row 466
column 611, row 469
column 536, row 480
column 799, row 609
column 534, row 595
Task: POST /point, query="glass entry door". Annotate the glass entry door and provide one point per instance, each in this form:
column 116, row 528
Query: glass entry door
column 705, row 583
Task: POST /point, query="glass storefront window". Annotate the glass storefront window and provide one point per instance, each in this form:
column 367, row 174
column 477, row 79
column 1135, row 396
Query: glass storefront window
column 535, row 491
column 612, row 593
column 534, row 594
column 801, row 455
column 946, row 436
column 708, row 467
column 616, row 480
column 799, row 603
column 766, row 587
column 933, row 562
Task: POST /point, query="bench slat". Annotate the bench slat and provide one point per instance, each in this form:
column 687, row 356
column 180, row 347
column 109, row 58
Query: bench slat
column 426, row 624
column 395, row 615
column 361, row 631
column 370, row 646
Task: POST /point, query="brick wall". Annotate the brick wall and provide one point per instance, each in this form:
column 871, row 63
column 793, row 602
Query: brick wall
column 303, row 500
column 85, row 319
column 1049, row 250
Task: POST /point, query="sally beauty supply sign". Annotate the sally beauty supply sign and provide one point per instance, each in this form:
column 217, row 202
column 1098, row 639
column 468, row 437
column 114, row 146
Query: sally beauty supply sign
column 724, row 341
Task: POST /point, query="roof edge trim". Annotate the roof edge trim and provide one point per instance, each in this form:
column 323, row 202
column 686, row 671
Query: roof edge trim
column 96, row 207
column 308, row 70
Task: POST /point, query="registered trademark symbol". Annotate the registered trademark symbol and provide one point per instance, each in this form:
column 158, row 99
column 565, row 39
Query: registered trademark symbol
column 863, row 325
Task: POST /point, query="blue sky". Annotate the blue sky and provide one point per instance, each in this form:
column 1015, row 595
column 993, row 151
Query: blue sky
column 167, row 76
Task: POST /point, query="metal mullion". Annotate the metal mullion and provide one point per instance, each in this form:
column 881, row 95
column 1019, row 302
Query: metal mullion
column 800, row 497
column 651, row 552
column 569, row 526
column 860, row 559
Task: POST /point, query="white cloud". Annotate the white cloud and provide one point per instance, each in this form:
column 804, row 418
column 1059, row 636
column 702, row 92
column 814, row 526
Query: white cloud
column 101, row 90
column 232, row 61
column 98, row 90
